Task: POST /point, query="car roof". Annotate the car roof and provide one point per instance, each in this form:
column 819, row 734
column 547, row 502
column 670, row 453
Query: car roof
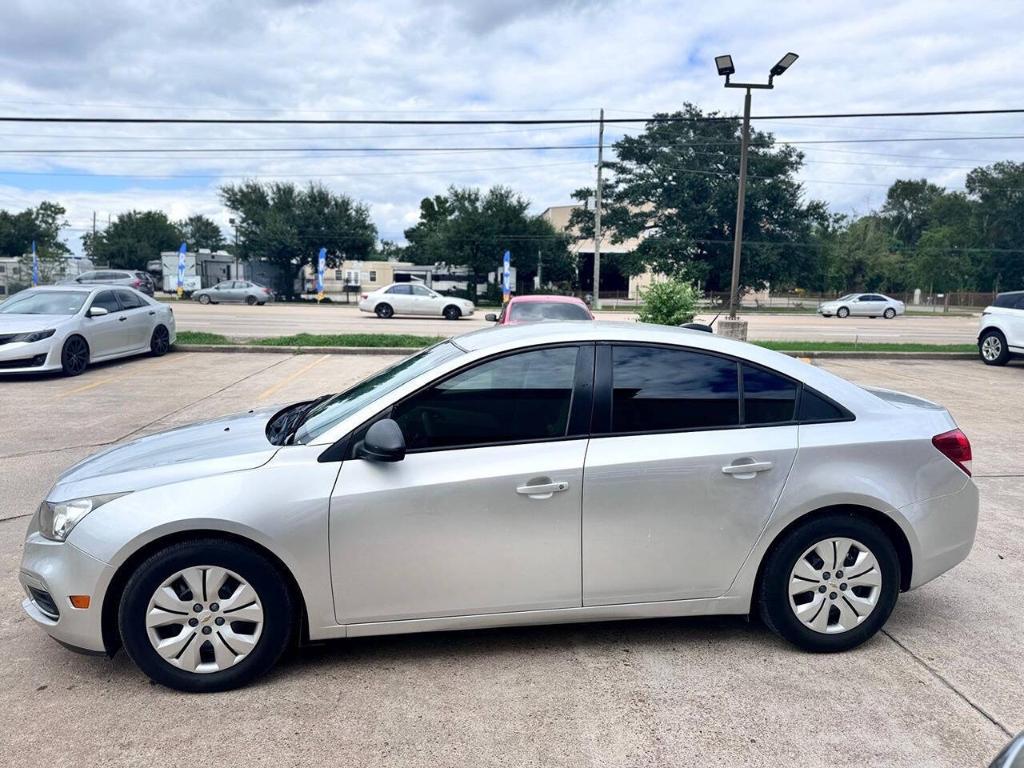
column 540, row 297
column 75, row 287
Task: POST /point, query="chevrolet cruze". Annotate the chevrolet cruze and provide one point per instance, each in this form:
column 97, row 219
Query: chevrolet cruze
column 541, row 473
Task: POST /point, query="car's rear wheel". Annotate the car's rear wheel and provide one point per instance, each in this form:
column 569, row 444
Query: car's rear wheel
column 842, row 312
column 384, row 311
column 204, row 299
column 889, row 314
column 250, row 300
column 205, row 615
column 451, row 312
column 992, row 348
column 159, row 342
column 830, row 584
column 74, row 356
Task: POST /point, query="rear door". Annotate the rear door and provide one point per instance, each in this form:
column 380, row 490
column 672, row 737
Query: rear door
column 400, row 298
column 682, row 472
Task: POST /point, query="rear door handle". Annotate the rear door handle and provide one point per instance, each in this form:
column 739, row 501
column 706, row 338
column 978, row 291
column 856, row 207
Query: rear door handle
column 747, row 471
column 543, row 490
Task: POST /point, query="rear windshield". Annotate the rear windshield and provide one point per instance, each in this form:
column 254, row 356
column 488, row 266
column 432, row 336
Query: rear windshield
column 44, row 303
column 532, row 311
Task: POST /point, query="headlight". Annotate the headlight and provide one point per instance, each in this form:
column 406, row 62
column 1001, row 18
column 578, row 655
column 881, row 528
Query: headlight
column 56, row 519
column 33, row 336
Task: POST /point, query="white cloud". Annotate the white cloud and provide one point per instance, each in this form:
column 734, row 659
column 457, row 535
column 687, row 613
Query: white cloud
column 401, row 58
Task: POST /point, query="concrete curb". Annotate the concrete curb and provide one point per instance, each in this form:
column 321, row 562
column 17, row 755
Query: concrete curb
column 824, row 354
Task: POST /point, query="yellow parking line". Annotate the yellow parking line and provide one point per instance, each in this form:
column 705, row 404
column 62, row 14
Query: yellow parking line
column 84, row 387
column 271, row 390
column 108, row 379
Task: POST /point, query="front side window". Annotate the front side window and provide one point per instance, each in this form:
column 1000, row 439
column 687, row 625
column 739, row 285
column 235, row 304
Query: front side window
column 767, row 397
column 106, row 300
column 419, row 290
column 520, row 397
column 659, row 390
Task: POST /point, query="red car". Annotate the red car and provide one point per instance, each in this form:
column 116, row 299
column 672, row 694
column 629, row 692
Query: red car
column 536, row 309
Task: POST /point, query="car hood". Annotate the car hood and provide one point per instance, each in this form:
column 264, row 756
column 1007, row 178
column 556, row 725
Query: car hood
column 27, row 323
column 206, row 448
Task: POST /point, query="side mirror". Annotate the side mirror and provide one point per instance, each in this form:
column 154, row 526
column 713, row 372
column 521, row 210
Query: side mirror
column 490, row 317
column 97, row 311
column 384, row 441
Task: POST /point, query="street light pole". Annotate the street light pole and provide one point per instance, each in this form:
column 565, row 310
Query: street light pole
column 727, row 70
column 596, row 303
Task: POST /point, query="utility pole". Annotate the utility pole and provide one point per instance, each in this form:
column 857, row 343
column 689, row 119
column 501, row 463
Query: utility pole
column 741, row 198
column 596, row 304
column 94, row 226
column 540, row 265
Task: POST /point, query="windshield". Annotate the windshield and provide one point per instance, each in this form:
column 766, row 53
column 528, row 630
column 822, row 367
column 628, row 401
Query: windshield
column 530, row 311
column 44, row 303
column 341, row 406
column 848, row 297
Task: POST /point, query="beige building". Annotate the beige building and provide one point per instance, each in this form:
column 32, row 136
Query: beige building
column 613, row 283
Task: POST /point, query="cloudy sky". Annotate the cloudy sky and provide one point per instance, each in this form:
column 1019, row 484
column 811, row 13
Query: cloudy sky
column 479, row 59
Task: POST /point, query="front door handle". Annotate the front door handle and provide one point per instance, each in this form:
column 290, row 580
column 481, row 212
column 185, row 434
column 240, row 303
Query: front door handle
column 542, row 490
column 121, row 319
column 747, row 471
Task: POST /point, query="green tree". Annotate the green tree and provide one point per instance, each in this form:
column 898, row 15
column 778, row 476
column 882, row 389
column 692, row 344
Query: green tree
column 998, row 191
column 862, row 257
column 909, row 208
column 942, row 264
column 668, row 302
column 472, row 229
column 132, row 239
column 287, row 226
column 675, row 186
column 198, row 231
column 41, row 225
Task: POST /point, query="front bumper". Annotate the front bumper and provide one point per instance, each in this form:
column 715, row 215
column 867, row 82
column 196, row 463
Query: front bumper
column 944, row 528
column 34, row 357
column 57, row 570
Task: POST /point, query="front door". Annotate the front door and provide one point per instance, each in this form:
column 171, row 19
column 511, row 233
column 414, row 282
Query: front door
column 483, row 514
column 677, row 492
column 139, row 323
column 106, row 334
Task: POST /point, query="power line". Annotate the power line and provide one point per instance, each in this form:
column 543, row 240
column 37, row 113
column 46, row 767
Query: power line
column 207, row 150
column 490, row 121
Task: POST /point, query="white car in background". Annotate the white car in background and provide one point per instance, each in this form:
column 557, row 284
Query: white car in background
column 863, row 305
column 1001, row 334
column 66, row 327
column 414, row 299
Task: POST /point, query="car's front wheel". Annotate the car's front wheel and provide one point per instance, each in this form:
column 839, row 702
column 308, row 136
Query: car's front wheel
column 74, row 356
column 830, row 584
column 451, row 312
column 204, row 299
column 205, row 615
column 992, row 348
column 842, row 312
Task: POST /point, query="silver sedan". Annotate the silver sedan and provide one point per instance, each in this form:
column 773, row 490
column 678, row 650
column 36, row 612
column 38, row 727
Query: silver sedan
column 863, row 305
column 239, row 291
column 529, row 474
column 65, row 328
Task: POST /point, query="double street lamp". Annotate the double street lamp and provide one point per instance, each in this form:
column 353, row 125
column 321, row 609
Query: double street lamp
column 726, row 69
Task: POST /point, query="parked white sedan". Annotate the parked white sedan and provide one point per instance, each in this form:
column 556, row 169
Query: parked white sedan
column 414, row 299
column 60, row 327
column 864, row 305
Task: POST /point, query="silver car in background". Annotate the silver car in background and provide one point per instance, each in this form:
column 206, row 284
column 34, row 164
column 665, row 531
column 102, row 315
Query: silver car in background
column 863, row 305
column 530, row 474
column 67, row 327
column 140, row 281
column 234, row 291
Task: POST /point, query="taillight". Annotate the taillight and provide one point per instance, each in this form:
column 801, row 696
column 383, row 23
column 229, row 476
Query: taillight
column 955, row 446
column 266, row 290
column 364, row 296
column 136, row 283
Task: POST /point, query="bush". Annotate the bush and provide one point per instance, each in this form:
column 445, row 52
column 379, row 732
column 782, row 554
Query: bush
column 671, row 302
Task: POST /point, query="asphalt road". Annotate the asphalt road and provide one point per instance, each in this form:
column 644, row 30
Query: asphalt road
column 285, row 319
column 941, row 686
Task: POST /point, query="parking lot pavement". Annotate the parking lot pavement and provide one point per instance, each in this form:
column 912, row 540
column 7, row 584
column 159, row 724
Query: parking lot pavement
column 285, row 319
column 939, row 687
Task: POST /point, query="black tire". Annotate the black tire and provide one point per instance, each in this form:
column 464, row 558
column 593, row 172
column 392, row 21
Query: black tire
column 451, row 312
column 772, row 593
column 159, row 342
column 842, row 312
column 889, row 314
column 204, row 299
column 74, row 356
column 992, row 347
column 384, row 311
column 250, row 300
column 263, row 576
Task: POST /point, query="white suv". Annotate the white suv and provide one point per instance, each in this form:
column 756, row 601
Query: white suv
column 1001, row 335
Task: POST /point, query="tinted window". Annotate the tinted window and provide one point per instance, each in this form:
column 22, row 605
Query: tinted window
column 531, row 311
column 767, row 397
column 656, row 389
column 813, row 407
column 419, row 290
column 526, row 396
column 129, row 300
column 107, row 301
column 405, row 290
column 1010, row 300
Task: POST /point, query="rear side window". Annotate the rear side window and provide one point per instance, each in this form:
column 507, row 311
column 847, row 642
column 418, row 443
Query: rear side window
column 813, row 407
column 405, row 290
column 656, row 390
column 767, row 397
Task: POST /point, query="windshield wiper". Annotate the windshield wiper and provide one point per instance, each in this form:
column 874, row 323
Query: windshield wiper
column 297, row 418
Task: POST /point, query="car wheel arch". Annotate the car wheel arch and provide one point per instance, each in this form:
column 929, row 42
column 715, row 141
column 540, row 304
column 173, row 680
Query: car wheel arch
column 886, row 523
column 118, row 582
